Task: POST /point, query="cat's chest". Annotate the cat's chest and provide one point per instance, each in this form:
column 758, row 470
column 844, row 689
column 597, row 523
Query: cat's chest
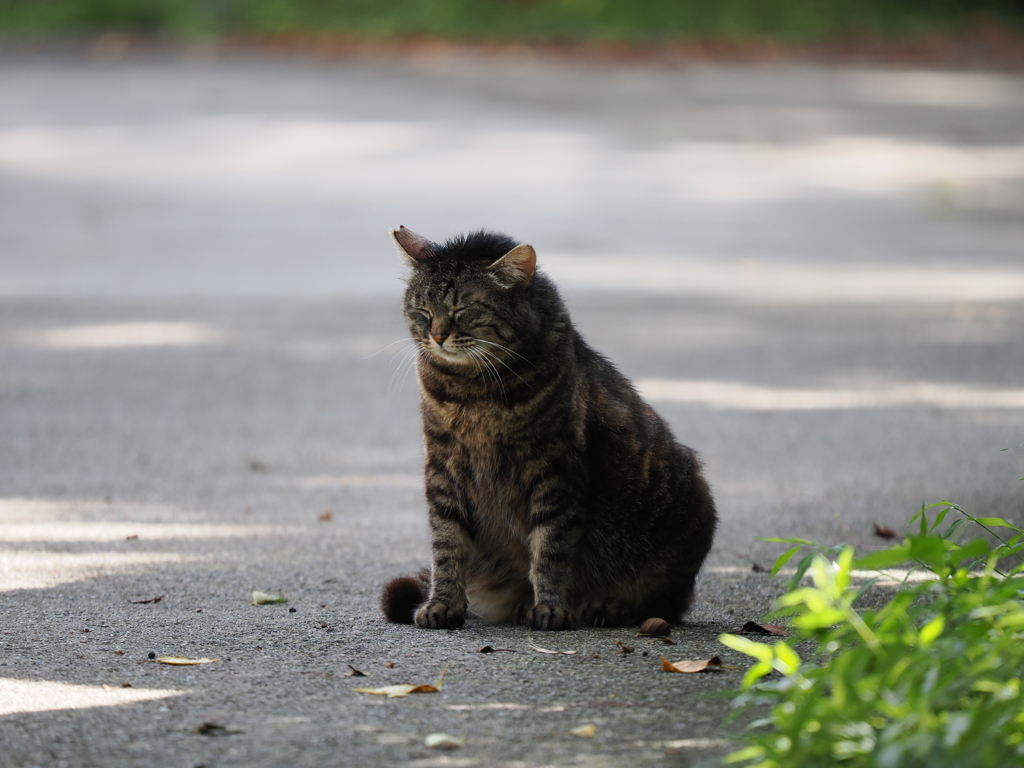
column 488, row 461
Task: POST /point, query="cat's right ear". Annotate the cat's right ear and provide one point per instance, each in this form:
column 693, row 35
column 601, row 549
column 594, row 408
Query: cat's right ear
column 416, row 248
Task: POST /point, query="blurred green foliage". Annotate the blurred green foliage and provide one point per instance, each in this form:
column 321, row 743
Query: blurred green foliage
column 533, row 20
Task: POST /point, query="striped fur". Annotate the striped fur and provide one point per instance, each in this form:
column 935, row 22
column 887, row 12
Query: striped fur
column 556, row 496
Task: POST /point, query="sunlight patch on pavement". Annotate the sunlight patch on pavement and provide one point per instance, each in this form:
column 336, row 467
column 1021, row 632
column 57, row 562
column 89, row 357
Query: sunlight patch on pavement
column 119, row 335
column 46, row 696
column 353, row 481
column 562, row 170
column 677, row 744
column 120, row 531
column 31, row 529
column 41, row 570
column 868, row 166
column 756, row 281
column 745, row 397
column 933, row 89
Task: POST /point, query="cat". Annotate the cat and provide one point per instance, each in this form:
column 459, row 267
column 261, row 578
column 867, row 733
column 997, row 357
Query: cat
column 557, row 498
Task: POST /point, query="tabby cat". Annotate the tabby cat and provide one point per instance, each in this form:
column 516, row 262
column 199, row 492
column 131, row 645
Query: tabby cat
column 557, row 497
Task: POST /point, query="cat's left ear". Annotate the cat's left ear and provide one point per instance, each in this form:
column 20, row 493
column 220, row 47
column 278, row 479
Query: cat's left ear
column 516, row 268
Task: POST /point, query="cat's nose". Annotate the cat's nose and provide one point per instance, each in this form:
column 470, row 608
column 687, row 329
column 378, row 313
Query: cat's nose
column 439, row 338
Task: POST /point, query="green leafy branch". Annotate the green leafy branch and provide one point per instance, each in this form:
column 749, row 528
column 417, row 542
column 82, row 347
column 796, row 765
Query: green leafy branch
column 930, row 679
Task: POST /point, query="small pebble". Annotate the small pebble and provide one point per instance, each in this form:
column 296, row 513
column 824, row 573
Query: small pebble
column 152, row 655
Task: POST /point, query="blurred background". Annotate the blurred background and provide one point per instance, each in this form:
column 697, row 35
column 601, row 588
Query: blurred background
column 798, row 226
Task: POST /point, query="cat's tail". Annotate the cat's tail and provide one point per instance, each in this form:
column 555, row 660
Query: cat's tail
column 402, row 596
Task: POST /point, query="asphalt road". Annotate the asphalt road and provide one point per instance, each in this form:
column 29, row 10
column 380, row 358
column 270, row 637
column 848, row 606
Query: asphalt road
column 816, row 275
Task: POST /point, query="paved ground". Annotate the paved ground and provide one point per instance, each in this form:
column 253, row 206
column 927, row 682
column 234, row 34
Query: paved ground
column 816, row 275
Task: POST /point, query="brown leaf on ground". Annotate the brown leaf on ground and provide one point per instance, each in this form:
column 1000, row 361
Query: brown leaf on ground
column 131, row 537
column 444, row 741
column 883, row 532
column 389, row 664
column 665, row 640
column 623, row 648
column 394, row 691
column 182, row 661
column 755, row 628
column 147, row 602
column 326, row 516
column 355, row 672
column 685, row 665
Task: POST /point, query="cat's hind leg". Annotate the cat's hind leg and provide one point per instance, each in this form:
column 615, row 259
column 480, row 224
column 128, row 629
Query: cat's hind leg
column 672, row 601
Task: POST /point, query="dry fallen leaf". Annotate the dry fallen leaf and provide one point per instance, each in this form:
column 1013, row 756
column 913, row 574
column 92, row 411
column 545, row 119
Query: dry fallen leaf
column 623, row 648
column 147, row 602
column 587, row 731
column 394, row 691
column 444, row 741
column 665, row 640
column 183, row 661
column 326, row 516
column 213, row 729
column 885, row 533
column 264, row 598
column 538, row 649
column 389, row 664
column 355, row 672
column 131, row 537
column 753, row 627
column 685, row 665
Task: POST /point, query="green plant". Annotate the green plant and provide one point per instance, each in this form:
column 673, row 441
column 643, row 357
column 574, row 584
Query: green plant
column 799, row 21
column 933, row 678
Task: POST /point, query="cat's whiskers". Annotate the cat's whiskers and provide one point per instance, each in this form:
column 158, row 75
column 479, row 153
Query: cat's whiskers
column 404, row 338
column 477, row 354
column 392, row 383
column 506, row 349
column 490, row 355
column 421, row 353
column 410, row 355
column 476, row 364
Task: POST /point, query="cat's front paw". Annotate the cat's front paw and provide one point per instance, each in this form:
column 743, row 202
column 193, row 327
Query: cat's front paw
column 549, row 617
column 605, row 613
column 435, row 614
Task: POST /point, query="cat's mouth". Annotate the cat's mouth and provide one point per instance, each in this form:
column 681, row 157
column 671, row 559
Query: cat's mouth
column 451, row 352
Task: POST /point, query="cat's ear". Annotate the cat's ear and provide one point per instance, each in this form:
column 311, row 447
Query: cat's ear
column 416, row 248
column 516, row 268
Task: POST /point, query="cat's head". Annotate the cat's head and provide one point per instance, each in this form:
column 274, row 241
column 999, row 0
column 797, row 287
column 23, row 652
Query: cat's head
column 467, row 302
